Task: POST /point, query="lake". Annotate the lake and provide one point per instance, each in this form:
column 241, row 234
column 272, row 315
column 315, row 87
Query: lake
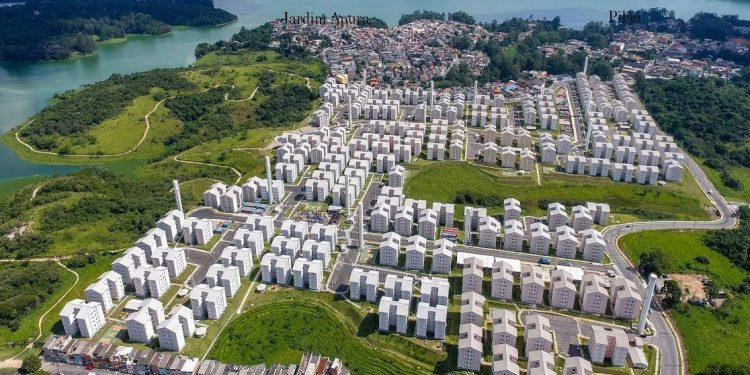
column 25, row 88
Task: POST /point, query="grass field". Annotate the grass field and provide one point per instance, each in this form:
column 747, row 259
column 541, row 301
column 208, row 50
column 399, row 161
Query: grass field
column 740, row 173
column 441, row 181
column 714, row 336
column 682, row 247
column 725, row 326
column 8, row 188
column 278, row 326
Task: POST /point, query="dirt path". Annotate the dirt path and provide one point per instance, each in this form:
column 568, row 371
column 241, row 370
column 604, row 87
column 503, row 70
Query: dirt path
column 143, row 137
column 15, row 361
column 237, row 172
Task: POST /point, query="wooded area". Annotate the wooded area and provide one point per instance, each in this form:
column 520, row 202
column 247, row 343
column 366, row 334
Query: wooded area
column 23, row 286
column 55, row 29
column 710, row 117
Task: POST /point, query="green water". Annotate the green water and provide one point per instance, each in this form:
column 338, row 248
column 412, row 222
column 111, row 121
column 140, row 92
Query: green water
column 25, row 88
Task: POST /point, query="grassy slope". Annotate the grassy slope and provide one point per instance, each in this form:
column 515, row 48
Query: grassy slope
column 441, row 181
column 682, row 247
column 281, row 325
column 728, row 341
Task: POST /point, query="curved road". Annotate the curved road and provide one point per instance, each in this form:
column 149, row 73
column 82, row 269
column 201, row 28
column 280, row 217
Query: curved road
column 665, row 337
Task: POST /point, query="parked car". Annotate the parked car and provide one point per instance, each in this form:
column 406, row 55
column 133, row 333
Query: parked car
column 544, row 260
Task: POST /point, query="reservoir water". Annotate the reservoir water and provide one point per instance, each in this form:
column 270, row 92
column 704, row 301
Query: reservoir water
column 25, row 88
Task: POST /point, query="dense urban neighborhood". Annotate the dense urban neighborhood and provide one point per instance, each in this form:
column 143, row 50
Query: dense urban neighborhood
column 441, row 196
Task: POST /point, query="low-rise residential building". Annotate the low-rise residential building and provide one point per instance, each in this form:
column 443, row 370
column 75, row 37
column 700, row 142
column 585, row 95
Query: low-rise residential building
column 249, row 239
column 563, row 291
column 390, row 248
column 363, row 285
column 173, row 331
column 557, row 216
column 489, row 228
column 540, row 363
column 197, row 231
column 399, row 288
column 317, row 250
column 472, row 308
column 442, row 256
column 577, row 366
column 242, row 258
column 416, row 251
column 594, row 246
column 608, row 343
column 505, row 360
column 502, row 281
column 142, row 324
column 275, row 269
column 172, row 258
column 625, row 299
column 540, row 239
column 504, row 330
column 207, row 302
column 538, row 334
column 473, row 275
column 151, row 281
column 470, row 347
column 308, row 274
column 81, row 317
column 513, row 236
column 567, row 242
column 431, row 321
column 532, row 285
column 393, row 315
column 225, row 277
column 594, row 296
column 434, row 291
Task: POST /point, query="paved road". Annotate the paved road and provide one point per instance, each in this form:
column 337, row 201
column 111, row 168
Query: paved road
column 664, row 338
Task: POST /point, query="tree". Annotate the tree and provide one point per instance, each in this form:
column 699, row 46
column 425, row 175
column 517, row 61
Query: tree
column 655, row 262
column 31, row 364
column 672, row 293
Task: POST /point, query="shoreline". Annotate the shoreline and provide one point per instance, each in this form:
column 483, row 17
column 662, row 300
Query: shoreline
column 119, row 40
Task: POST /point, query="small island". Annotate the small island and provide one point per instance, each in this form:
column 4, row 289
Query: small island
column 59, row 29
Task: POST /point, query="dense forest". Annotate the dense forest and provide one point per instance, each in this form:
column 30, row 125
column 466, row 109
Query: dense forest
column 23, row 286
column 733, row 243
column 74, row 112
column 286, row 104
column 135, row 206
column 710, row 117
column 55, row 29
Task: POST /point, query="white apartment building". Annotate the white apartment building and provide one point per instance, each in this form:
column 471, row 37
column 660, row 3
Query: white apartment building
column 390, row 248
column 393, row 315
column 442, row 256
column 227, row 277
column 242, row 258
column 594, row 296
column 532, row 285
column 538, row 334
column 363, row 285
column 308, row 274
column 207, row 302
column 275, row 269
column 416, row 250
column 563, row 291
column 502, row 281
column 473, row 275
column 143, row 323
column 431, row 321
column 504, row 330
column 470, row 347
column 249, row 239
column 81, row 317
column 151, row 281
column 398, row 288
column 608, row 343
